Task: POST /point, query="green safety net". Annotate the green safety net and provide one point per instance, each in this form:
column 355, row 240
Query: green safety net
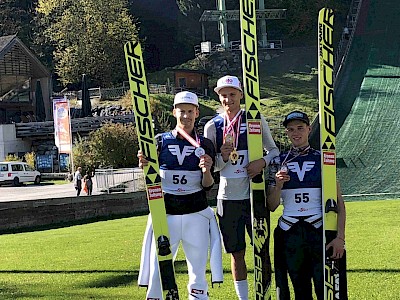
column 368, row 141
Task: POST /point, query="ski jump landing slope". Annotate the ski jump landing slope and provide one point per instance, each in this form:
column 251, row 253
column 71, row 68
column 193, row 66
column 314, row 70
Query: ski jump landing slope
column 368, row 105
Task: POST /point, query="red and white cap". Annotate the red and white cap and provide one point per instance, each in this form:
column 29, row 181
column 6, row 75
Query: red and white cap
column 228, row 81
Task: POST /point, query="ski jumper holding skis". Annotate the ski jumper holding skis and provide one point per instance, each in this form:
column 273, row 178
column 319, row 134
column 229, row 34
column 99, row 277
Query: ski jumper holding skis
column 228, row 133
column 186, row 161
column 295, row 177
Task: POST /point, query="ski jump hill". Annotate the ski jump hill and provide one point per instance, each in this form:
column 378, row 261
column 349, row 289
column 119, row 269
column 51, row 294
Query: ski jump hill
column 367, row 105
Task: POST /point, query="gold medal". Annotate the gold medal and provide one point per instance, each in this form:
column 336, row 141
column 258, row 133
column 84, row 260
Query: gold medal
column 229, row 138
column 234, row 156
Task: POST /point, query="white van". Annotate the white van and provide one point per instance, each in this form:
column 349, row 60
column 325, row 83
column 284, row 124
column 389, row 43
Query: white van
column 17, row 172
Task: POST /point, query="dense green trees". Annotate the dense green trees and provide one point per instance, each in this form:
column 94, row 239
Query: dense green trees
column 16, row 17
column 87, row 37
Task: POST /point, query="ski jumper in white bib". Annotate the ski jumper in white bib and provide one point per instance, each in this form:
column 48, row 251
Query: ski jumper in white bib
column 190, row 219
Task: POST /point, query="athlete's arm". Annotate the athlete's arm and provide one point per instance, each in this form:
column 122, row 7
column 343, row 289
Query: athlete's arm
column 210, row 133
column 341, row 214
column 255, row 167
column 142, row 159
column 274, row 191
column 207, row 163
column 268, row 142
column 338, row 244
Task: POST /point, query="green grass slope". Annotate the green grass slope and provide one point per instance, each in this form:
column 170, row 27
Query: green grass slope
column 101, row 260
column 368, row 139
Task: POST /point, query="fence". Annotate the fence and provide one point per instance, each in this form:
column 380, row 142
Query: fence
column 159, row 89
column 81, row 125
column 120, row 180
column 234, row 46
column 116, row 93
column 346, row 39
column 99, row 93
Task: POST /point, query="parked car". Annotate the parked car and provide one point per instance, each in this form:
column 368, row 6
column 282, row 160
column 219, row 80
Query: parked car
column 16, row 172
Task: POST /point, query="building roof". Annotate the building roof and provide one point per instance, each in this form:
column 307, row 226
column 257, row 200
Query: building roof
column 190, row 71
column 17, row 59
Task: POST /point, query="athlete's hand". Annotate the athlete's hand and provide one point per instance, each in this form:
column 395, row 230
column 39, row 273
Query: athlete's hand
column 280, row 178
column 205, row 163
column 226, row 150
column 338, row 246
column 255, row 167
column 142, row 159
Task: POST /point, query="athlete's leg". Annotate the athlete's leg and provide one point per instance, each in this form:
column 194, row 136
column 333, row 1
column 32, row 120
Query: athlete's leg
column 281, row 276
column 298, row 262
column 233, row 225
column 195, row 242
column 238, row 265
column 315, row 242
column 343, row 277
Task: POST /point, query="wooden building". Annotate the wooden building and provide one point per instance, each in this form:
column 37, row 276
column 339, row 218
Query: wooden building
column 191, row 80
column 20, row 70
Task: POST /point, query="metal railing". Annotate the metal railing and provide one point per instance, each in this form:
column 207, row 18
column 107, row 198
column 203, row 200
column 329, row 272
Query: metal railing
column 159, row 89
column 235, row 46
column 99, row 93
column 81, row 125
column 347, row 39
column 119, row 180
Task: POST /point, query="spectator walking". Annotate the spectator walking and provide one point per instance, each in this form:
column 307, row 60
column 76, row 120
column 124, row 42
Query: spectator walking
column 78, row 181
column 88, row 183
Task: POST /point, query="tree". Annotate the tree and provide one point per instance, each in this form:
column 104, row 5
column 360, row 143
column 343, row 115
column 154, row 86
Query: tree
column 15, row 18
column 114, row 145
column 88, row 38
column 82, row 155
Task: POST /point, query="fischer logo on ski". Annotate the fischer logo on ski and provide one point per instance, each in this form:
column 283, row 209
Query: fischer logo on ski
column 328, row 148
column 145, row 132
column 260, row 213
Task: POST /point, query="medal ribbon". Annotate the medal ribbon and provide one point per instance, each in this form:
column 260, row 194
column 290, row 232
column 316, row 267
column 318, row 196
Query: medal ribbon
column 230, row 123
column 285, row 161
column 235, row 121
column 187, row 137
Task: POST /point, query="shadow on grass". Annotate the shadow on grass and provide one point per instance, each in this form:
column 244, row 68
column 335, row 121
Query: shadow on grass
column 8, row 291
column 113, row 281
column 115, row 278
column 64, row 271
column 72, row 223
column 373, row 270
column 348, row 271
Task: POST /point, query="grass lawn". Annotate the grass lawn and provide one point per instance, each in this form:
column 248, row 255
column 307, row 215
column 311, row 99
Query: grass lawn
column 101, row 260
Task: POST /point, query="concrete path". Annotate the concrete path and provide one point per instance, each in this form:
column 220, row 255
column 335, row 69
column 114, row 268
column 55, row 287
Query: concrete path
column 42, row 191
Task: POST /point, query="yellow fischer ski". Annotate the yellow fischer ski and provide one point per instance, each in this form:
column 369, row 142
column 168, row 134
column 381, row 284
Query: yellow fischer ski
column 260, row 213
column 155, row 197
column 328, row 148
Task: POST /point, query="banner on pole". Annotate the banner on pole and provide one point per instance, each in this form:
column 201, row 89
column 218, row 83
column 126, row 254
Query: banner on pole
column 62, row 125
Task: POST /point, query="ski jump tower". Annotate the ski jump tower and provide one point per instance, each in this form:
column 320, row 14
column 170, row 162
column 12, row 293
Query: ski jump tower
column 223, row 16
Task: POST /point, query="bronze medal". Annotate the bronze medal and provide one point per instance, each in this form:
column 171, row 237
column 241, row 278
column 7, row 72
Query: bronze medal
column 234, row 156
column 229, row 138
